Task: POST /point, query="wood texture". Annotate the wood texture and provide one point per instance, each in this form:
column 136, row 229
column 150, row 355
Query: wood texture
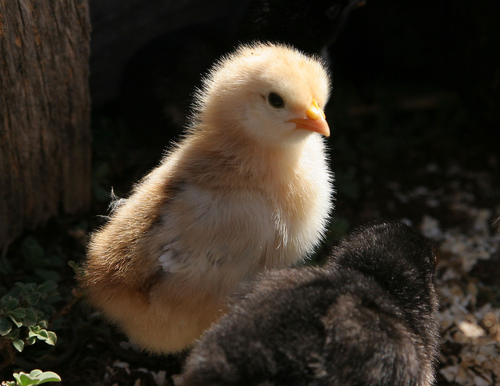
column 44, row 112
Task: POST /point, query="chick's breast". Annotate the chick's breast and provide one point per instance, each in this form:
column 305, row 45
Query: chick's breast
column 245, row 229
column 211, row 231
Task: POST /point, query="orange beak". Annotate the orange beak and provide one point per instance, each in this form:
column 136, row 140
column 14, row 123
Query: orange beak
column 313, row 121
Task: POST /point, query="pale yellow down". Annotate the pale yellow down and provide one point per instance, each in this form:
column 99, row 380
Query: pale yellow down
column 246, row 189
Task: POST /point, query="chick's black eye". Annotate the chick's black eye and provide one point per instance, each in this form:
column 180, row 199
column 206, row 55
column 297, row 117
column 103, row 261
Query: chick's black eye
column 275, row 100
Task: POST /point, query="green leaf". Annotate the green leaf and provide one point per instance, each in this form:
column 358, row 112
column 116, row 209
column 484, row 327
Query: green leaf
column 51, row 338
column 22, row 286
column 10, row 383
column 13, row 303
column 14, row 334
column 36, row 377
column 30, row 287
column 24, row 379
column 18, row 313
column 49, row 376
column 48, row 287
column 5, row 326
column 39, row 333
column 76, row 267
column 9, row 303
column 16, row 322
column 31, row 317
column 48, row 337
column 18, row 345
column 33, row 298
column 42, row 334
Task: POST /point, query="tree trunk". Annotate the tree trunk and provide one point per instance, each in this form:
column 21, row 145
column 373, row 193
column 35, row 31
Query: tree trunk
column 44, row 112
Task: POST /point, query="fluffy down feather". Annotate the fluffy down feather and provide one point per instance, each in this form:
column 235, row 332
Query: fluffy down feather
column 247, row 188
column 367, row 318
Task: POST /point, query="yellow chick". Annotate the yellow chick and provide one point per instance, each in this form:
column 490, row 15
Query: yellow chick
column 247, row 189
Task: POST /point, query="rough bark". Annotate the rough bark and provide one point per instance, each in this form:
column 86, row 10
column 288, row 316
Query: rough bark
column 44, row 112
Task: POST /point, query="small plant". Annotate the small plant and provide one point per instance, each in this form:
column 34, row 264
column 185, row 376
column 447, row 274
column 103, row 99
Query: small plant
column 28, row 310
column 36, row 377
column 23, row 318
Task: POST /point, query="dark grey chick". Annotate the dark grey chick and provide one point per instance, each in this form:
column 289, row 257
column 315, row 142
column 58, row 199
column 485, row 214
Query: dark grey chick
column 367, row 318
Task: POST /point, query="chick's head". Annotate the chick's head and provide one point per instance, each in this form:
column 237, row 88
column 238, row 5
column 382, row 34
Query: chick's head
column 271, row 93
